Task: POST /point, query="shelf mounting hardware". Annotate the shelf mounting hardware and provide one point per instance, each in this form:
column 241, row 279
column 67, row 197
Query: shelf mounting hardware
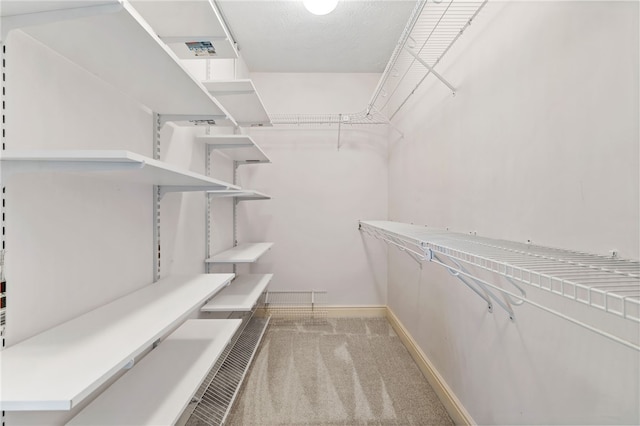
column 431, row 70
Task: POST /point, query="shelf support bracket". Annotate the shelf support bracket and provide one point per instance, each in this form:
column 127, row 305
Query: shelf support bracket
column 431, row 70
column 460, row 273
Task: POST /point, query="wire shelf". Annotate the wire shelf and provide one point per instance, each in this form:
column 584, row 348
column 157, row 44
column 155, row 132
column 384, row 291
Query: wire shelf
column 604, row 283
column 431, row 31
column 359, row 118
column 215, row 400
column 286, row 307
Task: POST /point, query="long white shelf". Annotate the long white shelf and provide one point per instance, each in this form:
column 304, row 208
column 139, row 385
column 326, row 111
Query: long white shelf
column 242, row 253
column 241, row 148
column 116, row 44
column 122, row 165
column 59, row 368
column 192, row 29
column 158, row 389
column 241, row 295
column 240, row 195
column 603, row 283
column 241, row 99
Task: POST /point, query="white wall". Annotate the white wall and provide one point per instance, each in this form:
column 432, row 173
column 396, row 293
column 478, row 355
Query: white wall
column 319, row 193
column 75, row 242
column 540, row 143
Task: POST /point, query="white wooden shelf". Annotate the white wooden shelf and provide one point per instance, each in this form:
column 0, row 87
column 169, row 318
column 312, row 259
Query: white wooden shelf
column 59, row 368
column 239, row 148
column 242, row 253
column 122, row 165
column 241, row 295
column 240, row 195
column 193, row 23
column 158, row 389
column 241, row 99
column 116, row 44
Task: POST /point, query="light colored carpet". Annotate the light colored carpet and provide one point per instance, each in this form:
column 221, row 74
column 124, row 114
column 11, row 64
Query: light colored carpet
column 345, row 372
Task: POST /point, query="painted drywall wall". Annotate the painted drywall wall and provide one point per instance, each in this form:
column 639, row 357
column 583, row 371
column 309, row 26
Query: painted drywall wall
column 318, row 192
column 540, row 143
column 76, row 242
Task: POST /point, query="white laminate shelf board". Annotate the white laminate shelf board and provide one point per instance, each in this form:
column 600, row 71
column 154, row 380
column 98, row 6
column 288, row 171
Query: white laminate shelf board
column 242, row 253
column 241, row 295
column 240, row 195
column 158, row 389
column 241, row 99
column 58, row 368
column 240, row 148
column 122, row 165
column 123, row 50
column 178, row 22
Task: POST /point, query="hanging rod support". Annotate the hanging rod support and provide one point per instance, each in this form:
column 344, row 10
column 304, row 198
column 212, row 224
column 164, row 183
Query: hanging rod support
column 431, row 70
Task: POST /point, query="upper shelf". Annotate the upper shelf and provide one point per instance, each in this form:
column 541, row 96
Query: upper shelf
column 240, row 195
column 120, row 164
column 117, row 45
column 193, row 29
column 241, row 295
column 152, row 394
column 242, row 253
column 239, row 148
column 57, row 369
column 241, row 99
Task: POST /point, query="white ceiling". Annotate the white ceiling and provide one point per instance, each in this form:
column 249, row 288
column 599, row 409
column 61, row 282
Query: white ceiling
column 282, row 36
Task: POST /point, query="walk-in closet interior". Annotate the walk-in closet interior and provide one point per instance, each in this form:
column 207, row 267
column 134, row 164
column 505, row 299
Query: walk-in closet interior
column 255, row 212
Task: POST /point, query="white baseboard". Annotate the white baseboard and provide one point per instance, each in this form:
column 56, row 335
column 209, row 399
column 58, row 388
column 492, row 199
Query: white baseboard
column 454, row 407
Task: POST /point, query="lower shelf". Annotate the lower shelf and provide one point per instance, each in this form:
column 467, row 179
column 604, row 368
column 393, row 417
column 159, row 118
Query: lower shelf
column 157, row 390
column 214, row 401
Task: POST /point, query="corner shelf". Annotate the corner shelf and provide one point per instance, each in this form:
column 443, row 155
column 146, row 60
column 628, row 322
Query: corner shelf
column 239, row 148
column 59, row 368
column 603, row 283
column 119, row 47
column 116, row 164
column 241, row 295
column 152, row 394
column 180, row 22
column 241, row 99
column 242, row 253
column 240, row 195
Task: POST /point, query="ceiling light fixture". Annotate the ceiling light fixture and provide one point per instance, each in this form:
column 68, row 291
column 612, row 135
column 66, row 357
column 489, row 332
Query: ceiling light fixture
column 320, row 7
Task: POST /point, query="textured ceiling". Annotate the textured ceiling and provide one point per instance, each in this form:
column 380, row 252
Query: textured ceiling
column 282, row 36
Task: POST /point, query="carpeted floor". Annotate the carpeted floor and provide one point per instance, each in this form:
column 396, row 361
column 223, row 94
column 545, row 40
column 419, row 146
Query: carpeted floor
column 345, row 372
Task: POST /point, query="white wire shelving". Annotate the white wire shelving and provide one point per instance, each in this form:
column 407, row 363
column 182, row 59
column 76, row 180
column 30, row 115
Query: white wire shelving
column 433, row 28
column 152, row 394
column 215, row 398
column 605, row 284
column 354, row 119
column 60, row 367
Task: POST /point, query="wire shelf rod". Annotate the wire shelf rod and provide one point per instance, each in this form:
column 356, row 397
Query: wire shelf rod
column 577, row 282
